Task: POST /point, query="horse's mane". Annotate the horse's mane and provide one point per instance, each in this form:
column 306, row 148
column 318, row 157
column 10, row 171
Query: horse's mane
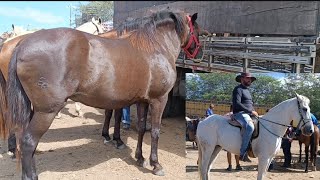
column 303, row 98
column 143, row 29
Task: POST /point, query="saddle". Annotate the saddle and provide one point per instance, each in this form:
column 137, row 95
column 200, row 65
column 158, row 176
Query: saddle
column 234, row 122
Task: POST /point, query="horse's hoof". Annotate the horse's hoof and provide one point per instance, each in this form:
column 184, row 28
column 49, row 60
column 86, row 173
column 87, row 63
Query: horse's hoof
column 57, row 117
column 80, row 115
column 105, row 142
column 142, row 163
column 122, row 146
column 158, row 172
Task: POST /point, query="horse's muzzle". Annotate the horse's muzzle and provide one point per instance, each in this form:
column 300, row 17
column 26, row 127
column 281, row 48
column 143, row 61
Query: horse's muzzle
column 307, row 131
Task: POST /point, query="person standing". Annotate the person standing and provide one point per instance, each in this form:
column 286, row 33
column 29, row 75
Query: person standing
column 210, row 111
column 126, row 117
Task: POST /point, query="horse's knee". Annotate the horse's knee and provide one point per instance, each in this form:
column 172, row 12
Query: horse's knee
column 155, row 133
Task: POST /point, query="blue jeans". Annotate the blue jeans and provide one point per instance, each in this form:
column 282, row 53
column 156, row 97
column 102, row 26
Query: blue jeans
column 126, row 115
column 244, row 119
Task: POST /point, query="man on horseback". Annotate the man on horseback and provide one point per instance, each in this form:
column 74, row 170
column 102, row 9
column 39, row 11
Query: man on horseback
column 243, row 110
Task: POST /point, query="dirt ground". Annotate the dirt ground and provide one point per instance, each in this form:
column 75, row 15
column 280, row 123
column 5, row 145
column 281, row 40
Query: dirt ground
column 73, row 149
column 250, row 172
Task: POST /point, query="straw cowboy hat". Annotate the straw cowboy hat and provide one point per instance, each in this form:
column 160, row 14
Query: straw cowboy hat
column 238, row 78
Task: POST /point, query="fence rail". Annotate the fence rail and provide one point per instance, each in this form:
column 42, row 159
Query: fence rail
column 198, row 108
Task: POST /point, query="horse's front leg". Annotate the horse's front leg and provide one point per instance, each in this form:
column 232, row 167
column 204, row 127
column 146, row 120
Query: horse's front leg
column 263, row 165
column 307, row 157
column 142, row 112
column 157, row 108
column 105, row 130
column 300, row 144
column 116, row 135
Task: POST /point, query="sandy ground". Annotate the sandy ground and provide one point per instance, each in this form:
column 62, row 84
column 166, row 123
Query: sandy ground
column 73, row 149
column 250, row 172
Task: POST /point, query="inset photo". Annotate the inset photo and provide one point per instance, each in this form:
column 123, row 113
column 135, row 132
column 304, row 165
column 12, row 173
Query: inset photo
column 253, row 124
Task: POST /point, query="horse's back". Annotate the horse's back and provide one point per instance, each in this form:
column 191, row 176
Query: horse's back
column 6, row 53
column 210, row 125
column 215, row 130
column 93, row 70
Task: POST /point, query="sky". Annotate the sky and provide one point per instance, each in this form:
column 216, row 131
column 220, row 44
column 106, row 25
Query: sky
column 36, row 14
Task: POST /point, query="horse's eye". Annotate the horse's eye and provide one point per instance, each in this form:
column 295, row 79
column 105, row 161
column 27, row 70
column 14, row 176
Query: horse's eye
column 304, row 109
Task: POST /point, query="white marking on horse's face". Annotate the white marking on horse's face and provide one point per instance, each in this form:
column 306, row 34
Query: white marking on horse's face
column 99, row 25
column 91, row 28
column 305, row 112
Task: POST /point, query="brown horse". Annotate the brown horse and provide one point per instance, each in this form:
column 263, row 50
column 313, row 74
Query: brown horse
column 50, row 66
column 6, row 51
column 312, row 142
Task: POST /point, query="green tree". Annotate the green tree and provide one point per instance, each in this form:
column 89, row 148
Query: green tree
column 102, row 9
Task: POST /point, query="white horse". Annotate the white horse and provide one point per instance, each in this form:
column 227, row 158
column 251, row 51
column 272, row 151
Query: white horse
column 94, row 27
column 215, row 133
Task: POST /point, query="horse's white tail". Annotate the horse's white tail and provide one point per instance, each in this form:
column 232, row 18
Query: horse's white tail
column 199, row 162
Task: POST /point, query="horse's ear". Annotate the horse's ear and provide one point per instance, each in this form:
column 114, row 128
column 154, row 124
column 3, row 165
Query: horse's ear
column 100, row 21
column 12, row 27
column 194, row 17
column 93, row 20
column 297, row 95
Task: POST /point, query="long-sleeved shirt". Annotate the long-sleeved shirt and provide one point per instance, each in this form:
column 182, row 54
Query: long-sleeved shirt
column 314, row 119
column 209, row 112
column 242, row 100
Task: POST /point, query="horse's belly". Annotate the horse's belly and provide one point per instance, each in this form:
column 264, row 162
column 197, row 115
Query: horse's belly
column 230, row 139
column 103, row 101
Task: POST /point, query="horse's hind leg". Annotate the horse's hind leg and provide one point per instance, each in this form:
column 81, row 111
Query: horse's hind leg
column 39, row 124
column 208, row 155
column 142, row 110
column 116, row 134
column 105, row 130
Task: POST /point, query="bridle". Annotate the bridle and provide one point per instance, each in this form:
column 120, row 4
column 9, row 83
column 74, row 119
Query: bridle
column 305, row 121
column 192, row 39
column 97, row 29
column 301, row 117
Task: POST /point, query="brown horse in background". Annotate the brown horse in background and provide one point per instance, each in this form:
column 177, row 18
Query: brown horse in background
column 312, row 142
column 50, row 66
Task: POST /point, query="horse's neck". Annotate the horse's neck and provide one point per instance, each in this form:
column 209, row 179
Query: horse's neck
column 282, row 114
column 171, row 41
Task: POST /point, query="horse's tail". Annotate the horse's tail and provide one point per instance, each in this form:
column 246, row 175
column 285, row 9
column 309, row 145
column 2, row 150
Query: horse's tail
column 199, row 162
column 4, row 131
column 3, row 104
column 19, row 105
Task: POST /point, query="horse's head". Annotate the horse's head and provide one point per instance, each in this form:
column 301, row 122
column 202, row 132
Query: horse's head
column 305, row 124
column 98, row 25
column 17, row 30
column 192, row 44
